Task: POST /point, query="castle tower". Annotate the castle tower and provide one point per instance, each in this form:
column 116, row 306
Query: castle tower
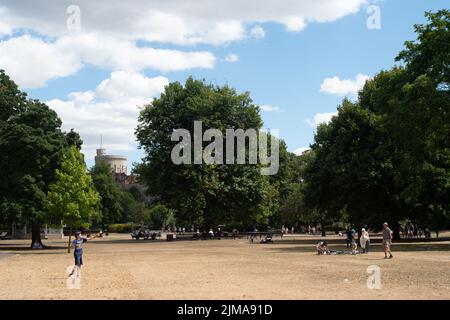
column 117, row 163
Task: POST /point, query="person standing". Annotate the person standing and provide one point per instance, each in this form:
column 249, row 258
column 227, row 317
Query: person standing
column 349, row 233
column 387, row 241
column 77, row 244
column 364, row 240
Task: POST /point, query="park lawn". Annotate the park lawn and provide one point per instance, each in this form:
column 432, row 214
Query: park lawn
column 118, row 268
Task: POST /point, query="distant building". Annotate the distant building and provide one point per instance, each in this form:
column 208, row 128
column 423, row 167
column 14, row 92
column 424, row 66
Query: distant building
column 118, row 166
column 117, row 163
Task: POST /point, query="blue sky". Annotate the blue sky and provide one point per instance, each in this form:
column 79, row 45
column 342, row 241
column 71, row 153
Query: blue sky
column 284, row 68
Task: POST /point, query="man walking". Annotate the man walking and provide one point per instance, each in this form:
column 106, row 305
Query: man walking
column 387, row 241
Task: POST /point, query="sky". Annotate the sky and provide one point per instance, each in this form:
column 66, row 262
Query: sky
column 96, row 63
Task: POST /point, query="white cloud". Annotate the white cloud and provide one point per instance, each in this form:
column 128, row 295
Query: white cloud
column 186, row 22
column 231, row 58
column 110, row 32
column 294, row 23
column 320, row 118
column 299, row 151
column 5, row 28
column 343, row 87
column 224, row 32
column 257, row 32
column 31, row 62
column 124, row 86
column 111, row 110
column 269, row 108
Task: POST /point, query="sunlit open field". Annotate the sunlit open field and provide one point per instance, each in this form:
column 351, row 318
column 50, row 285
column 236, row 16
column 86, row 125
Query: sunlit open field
column 116, row 267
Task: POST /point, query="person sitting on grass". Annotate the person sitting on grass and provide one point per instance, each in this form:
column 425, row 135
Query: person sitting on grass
column 267, row 239
column 322, row 248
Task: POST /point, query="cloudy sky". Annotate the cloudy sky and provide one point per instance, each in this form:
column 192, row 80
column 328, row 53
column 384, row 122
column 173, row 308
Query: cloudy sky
column 96, row 62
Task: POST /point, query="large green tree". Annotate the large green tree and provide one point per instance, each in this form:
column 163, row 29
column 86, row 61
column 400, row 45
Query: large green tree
column 72, row 198
column 387, row 155
column 351, row 170
column 30, row 142
column 206, row 194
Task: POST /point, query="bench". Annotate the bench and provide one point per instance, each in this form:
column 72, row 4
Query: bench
column 187, row 236
column 258, row 234
column 146, row 235
column 4, row 235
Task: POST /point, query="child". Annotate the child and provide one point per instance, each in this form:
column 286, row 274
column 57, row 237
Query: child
column 354, row 246
column 77, row 244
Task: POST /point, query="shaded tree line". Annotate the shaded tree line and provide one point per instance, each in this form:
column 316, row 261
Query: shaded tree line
column 386, row 156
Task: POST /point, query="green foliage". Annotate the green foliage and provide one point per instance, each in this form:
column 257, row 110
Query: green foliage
column 160, row 217
column 136, row 193
column 430, row 54
column 31, row 142
column 74, row 139
column 110, row 192
column 387, row 156
column 72, row 198
column 120, row 227
column 133, row 210
column 204, row 195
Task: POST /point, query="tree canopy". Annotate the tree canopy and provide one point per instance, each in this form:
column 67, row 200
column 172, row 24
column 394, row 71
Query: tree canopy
column 31, row 141
column 386, row 156
column 72, row 197
column 206, row 194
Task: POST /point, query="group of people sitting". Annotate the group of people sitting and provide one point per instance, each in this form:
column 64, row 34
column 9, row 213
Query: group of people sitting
column 207, row 235
column 352, row 238
column 411, row 230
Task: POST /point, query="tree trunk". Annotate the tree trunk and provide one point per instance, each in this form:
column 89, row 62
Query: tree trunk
column 36, row 242
column 324, row 234
column 70, row 239
column 395, row 231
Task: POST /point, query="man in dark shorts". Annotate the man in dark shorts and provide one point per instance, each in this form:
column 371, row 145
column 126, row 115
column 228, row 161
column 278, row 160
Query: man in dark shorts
column 349, row 232
column 77, row 244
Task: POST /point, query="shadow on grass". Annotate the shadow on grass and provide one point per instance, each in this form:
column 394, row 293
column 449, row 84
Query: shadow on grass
column 27, row 250
column 127, row 241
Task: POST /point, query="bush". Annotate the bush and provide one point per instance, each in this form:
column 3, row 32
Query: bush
column 120, row 227
column 159, row 216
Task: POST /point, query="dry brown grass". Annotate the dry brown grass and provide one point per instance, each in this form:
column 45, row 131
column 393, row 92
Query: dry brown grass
column 119, row 268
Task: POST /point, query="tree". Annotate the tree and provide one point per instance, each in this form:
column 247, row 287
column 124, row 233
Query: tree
column 386, row 157
column 110, row 192
column 160, row 217
column 206, row 194
column 348, row 171
column 74, row 139
column 430, row 55
column 72, row 198
column 425, row 107
column 294, row 209
column 31, row 141
column 133, row 210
